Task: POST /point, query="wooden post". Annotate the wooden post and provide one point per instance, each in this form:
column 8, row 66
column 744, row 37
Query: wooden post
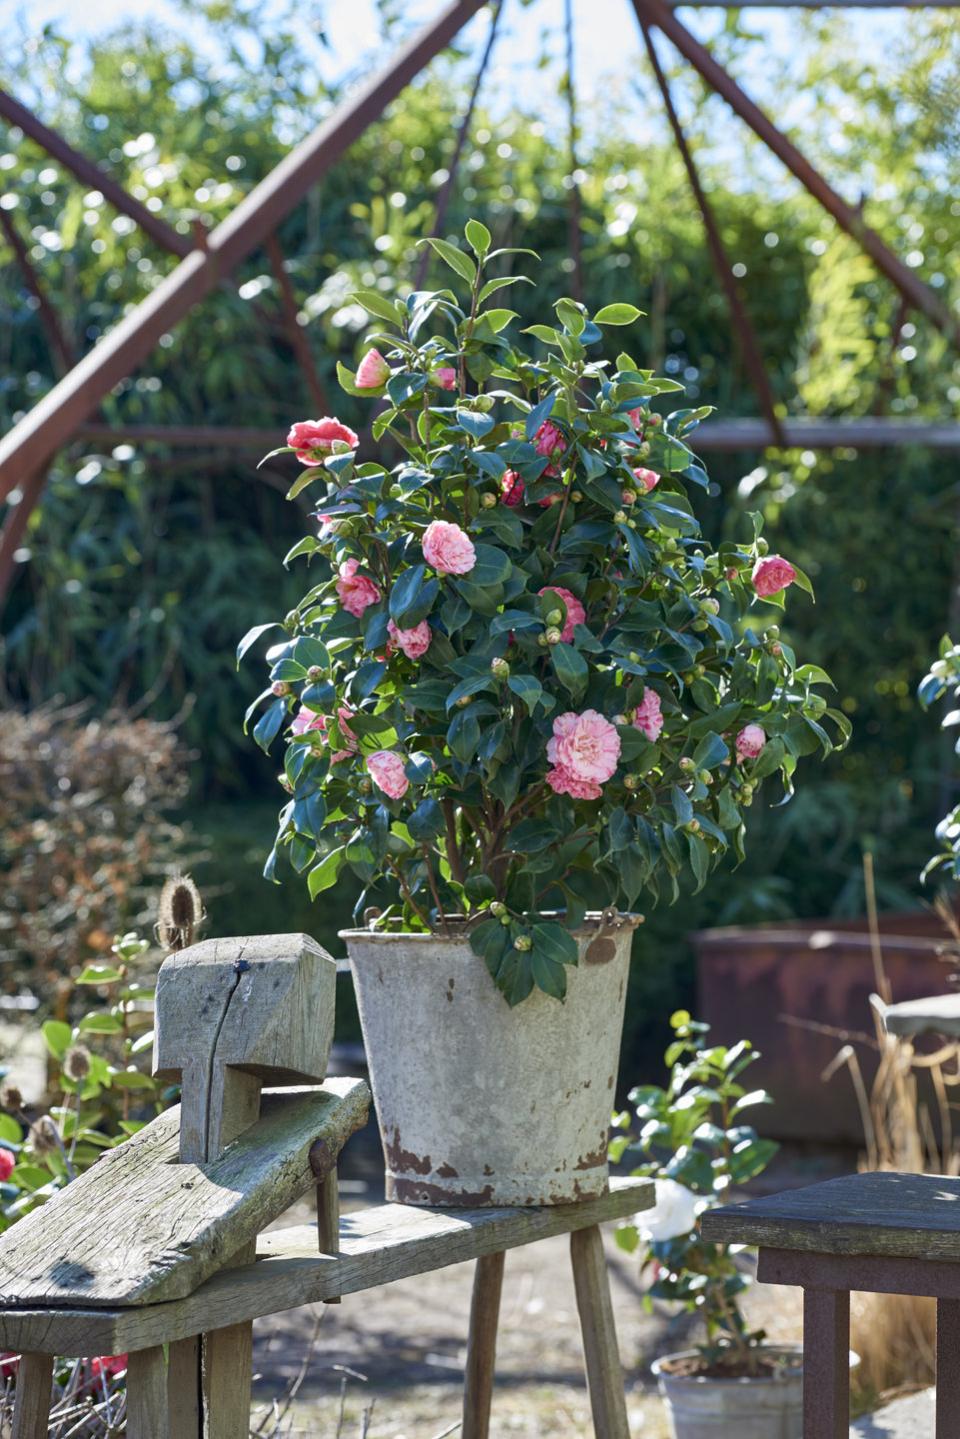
column 482, row 1346
column 328, row 1218
column 601, row 1356
column 826, row 1364
column 163, row 1391
column 230, row 1015
column 31, row 1415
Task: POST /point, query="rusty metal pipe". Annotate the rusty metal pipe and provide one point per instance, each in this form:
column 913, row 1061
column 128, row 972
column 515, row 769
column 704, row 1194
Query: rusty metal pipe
column 30, row 444
column 911, row 287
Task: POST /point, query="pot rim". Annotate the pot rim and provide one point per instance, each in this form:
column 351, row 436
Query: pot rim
column 788, row 1348
column 594, row 921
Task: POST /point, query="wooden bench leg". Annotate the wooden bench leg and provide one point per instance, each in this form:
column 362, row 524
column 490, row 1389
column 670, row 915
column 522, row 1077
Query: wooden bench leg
column 482, row 1346
column 826, row 1364
column 31, row 1416
column 601, row 1356
column 948, row 1368
column 163, row 1392
column 227, row 1381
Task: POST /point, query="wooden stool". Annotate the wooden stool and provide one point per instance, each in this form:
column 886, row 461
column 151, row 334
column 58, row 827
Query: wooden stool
column 158, row 1250
column 880, row 1233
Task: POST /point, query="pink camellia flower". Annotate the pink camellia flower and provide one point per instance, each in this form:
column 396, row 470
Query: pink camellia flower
column 585, row 746
column 386, row 771
column 576, row 614
column 305, row 720
column 646, row 479
column 512, row 488
column 561, row 781
column 648, row 718
column 550, row 440
column 445, row 376
column 329, row 525
column 772, row 574
column 357, row 592
column 314, row 440
column 372, row 371
column 448, row 548
column 637, row 419
column 750, row 741
column 414, row 643
column 7, row 1164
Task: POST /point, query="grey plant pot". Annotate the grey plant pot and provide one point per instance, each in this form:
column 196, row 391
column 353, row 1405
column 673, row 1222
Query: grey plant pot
column 702, row 1408
column 480, row 1104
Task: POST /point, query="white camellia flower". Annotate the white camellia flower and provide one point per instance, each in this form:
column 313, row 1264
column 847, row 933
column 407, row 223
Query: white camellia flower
column 674, row 1213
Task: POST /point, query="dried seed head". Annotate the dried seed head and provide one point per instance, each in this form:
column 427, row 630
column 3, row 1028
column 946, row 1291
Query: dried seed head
column 44, row 1136
column 76, row 1063
column 180, row 912
column 10, row 1097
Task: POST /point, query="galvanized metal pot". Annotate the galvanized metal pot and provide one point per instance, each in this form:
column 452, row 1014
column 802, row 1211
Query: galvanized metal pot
column 770, row 1407
column 478, row 1103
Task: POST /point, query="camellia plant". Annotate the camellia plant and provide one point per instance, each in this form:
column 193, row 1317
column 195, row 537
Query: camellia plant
column 944, row 680
column 522, row 684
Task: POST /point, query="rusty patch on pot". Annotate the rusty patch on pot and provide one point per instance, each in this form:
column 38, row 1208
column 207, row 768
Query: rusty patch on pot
column 487, row 1170
column 450, row 988
column 413, row 1191
column 594, row 1160
column 404, row 1159
column 447, row 1171
column 600, row 950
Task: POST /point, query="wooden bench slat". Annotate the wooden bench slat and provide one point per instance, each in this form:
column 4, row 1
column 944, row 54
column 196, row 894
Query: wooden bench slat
column 897, row 1215
column 377, row 1246
column 139, row 1228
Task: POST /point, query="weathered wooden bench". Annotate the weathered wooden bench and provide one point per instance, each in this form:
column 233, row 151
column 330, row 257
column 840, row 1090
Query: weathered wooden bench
column 881, row 1233
column 158, row 1251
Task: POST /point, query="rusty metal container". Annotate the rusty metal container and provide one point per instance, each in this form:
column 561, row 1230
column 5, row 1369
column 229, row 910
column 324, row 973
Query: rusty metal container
column 799, row 991
column 480, row 1104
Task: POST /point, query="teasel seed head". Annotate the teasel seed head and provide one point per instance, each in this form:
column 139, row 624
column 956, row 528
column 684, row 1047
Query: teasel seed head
column 44, row 1136
column 180, row 912
column 76, row 1063
column 10, row 1097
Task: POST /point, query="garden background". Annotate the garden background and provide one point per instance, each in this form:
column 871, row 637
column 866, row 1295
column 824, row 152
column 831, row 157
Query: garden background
column 144, row 566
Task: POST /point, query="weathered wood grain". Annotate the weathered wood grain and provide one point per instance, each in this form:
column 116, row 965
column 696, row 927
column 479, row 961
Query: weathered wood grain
column 601, row 1355
column 482, row 1346
column 899, row 1215
column 31, row 1412
column 328, row 1219
column 262, row 1005
column 172, row 1225
column 227, row 1376
column 377, row 1246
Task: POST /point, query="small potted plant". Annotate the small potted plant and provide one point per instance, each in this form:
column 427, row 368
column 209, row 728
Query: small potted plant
column 520, row 692
column 692, row 1140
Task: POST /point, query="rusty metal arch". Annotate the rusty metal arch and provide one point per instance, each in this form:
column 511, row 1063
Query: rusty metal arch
column 207, row 259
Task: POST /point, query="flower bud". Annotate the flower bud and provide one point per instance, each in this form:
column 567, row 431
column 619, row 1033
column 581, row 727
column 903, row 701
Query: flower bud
column 576, row 496
column 555, row 618
column 629, row 497
column 776, row 650
column 542, row 640
column 290, row 622
column 655, row 421
column 693, row 827
column 772, row 632
column 630, row 781
column 704, row 776
column 314, row 673
column 634, row 657
column 711, row 605
column 762, row 547
column 643, row 451
column 731, row 573
column 463, row 701
column 498, row 907
column 280, row 688
column 488, row 500
column 554, row 636
column 523, row 942
column 500, row 668
column 620, row 518
column 620, row 719
column 631, row 524
column 365, row 785
column 685, row 762
column 505, row 920
column 701, row 624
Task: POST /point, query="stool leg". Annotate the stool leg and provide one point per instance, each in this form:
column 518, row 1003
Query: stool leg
column 826, row 1364
column 948, row 1368
column 600, row 1353
column 482, row 1346
column 31, row 1415
column 163, row 1392
column 227, row 1381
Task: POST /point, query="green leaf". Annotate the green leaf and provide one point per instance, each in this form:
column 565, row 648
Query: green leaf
column 99, row 974
column 557, row 943
column 100, row 1022
column 251, row 637
column 463, row 736
column 475, row 422
column 570, row 667
column 617, row 315
column 57, row 1037
column 492, row 566
column 456, row 259
column 750, row 1158
column 490, row 940
column 10, row 1129
column 378, row 305
column 426, row 821
column 529, row 689
column 710, row 752
column 268, row 725
column 412, row 597
column 478, row 237
column 324, row 875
